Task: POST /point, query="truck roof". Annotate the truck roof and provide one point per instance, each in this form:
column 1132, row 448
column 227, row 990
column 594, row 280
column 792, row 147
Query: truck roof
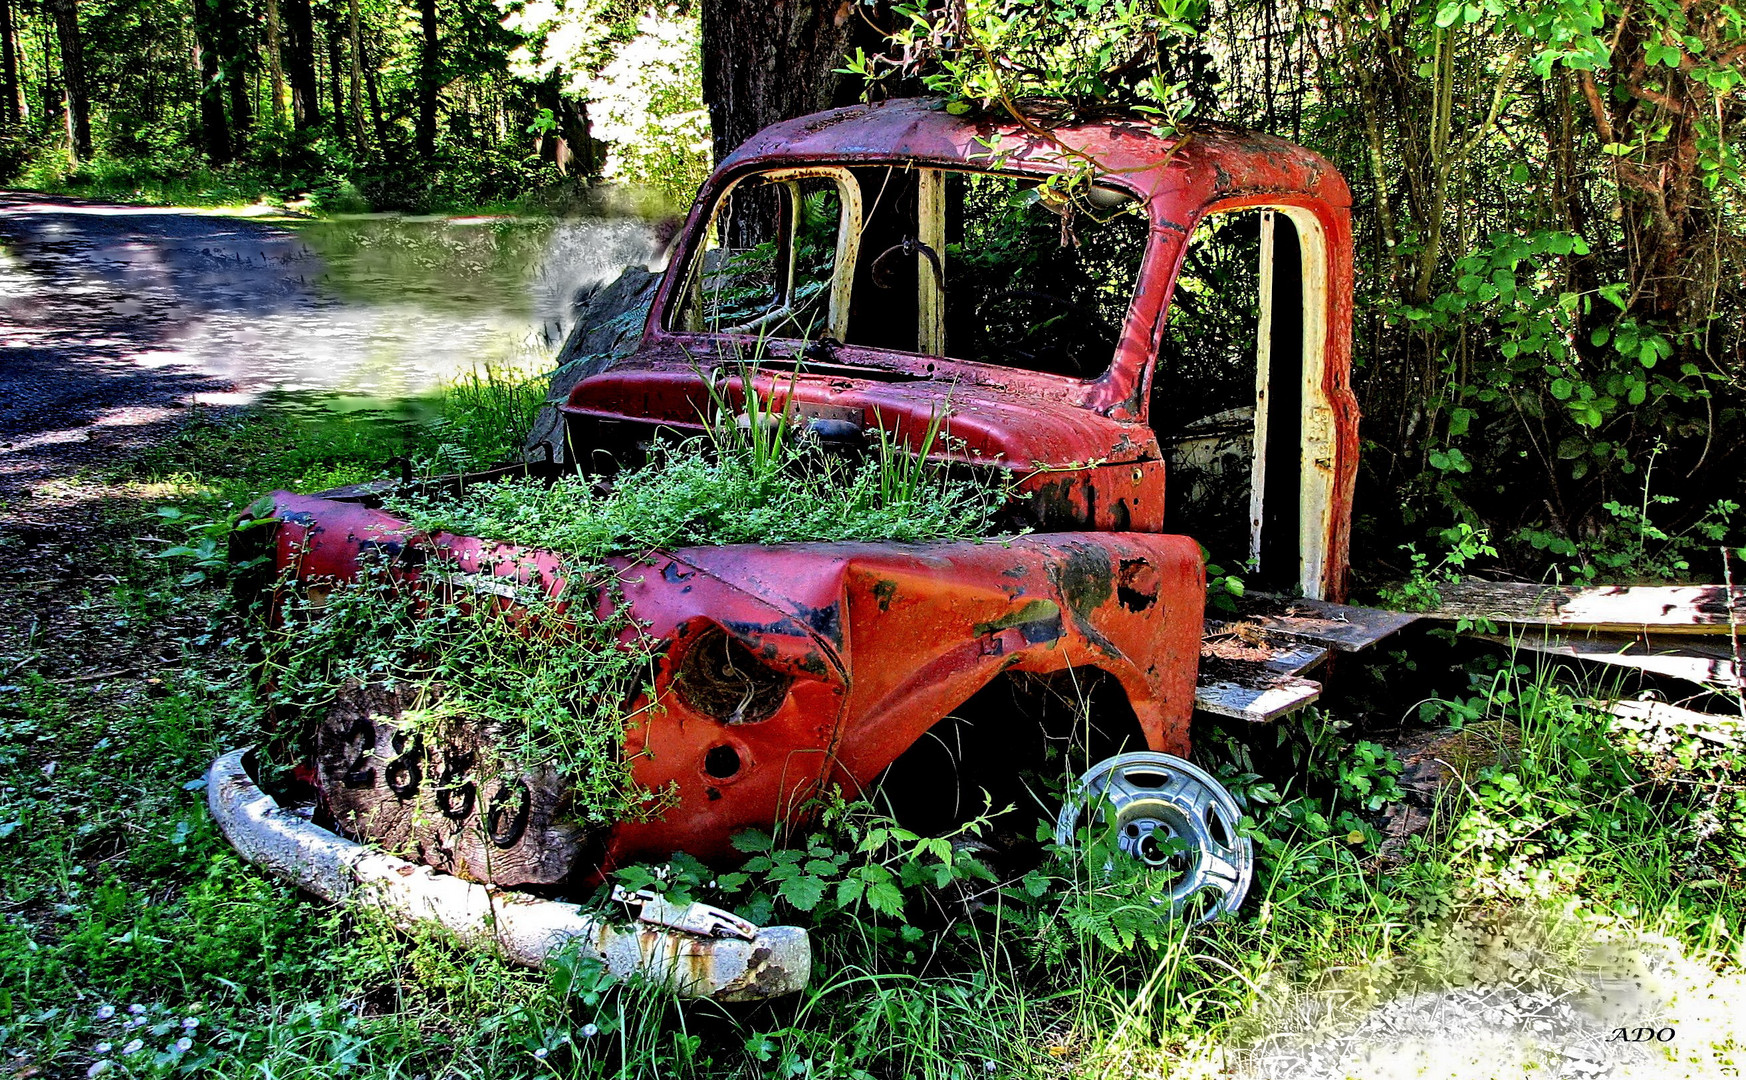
column 1180, row 174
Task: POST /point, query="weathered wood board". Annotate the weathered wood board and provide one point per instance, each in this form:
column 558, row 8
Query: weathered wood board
column 1342, row 627
column 1729, row 731
column 1667, row 609
column 1250, row 674
column 1704, row 661
column 1256, row 701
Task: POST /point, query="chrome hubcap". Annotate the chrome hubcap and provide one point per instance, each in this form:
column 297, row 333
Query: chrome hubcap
column 1176, row 819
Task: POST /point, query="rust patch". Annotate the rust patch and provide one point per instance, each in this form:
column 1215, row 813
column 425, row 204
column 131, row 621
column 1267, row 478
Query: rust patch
column 884, row 591
column 1136, row 585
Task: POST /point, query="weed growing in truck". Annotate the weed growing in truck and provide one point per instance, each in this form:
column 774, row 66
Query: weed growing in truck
column 554, row 678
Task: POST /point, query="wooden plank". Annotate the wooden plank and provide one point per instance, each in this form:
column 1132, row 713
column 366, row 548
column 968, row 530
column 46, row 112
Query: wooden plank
column 1722, row 730
column 1245, row 642
column 1706, row 666
column 1342, row 627
column 1251, row 674
column 1668, row 609
column 1256, row 701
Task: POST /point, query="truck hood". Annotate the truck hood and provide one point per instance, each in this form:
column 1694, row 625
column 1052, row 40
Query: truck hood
column 1018, row 426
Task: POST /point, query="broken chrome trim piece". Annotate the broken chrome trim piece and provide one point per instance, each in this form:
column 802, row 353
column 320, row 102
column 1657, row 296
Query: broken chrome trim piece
column 753, row 963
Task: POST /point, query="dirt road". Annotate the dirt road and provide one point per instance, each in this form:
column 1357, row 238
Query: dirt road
column 114, row 321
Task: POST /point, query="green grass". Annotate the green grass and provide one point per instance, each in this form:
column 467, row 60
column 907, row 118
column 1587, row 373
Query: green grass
column 117, row 891
column 750, row 484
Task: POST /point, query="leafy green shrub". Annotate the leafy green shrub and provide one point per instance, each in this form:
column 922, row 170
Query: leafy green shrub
column 1632, row 546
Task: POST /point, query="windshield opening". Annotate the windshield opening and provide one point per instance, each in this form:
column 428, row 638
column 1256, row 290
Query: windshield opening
column 991, row 268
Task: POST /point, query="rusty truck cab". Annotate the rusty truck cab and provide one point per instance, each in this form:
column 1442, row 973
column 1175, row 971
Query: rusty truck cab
column 1214, row 366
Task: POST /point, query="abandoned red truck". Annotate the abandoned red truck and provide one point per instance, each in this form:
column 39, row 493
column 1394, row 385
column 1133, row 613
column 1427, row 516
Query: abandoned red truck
column 1149, row 334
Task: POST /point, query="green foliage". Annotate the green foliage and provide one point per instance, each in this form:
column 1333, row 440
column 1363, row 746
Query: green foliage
column 555, row 676
column 1087, row 54
column 207, row 549
column 1419, row 591
column 1223, row 589
column 648, row 103
column 858, row 868
column 481, row 419
column 495, row 66
column 735, row 486
column 1637, row 812
column 1632, row 547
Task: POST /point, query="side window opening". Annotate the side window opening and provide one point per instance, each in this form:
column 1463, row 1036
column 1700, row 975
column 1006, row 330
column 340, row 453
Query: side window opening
column 977, row 266
column 1227, row 398
column 788, row 285
column 1042, row 283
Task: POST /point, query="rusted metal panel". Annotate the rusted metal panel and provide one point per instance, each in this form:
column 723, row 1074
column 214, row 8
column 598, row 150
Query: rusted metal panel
column 1093, row 429
column 876, row 642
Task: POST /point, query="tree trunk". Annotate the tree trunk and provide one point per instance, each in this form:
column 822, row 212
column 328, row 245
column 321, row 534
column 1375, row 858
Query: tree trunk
column 66, row 16
column 337, row 96
column 358, row 128
column 1669, row 212
column 570, row 145
column 275, row 67
column 214, row 132
column 428, row 68
column 774, row 61
column 52, row 105
column 234, row 62
column 581, row 135
column 12, row 108
column 300, row 63
column 371, row 63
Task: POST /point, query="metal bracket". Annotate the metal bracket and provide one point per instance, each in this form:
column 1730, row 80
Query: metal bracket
column 700, row 919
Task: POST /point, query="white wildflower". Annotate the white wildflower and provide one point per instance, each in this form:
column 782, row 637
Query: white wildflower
column 132, row 1046
column 98, row 1068
column 589, row 1031
column 136, row 1009
column 184, row 1043
column 190, row 1023
column 541, row 1053
column 105, row 1012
